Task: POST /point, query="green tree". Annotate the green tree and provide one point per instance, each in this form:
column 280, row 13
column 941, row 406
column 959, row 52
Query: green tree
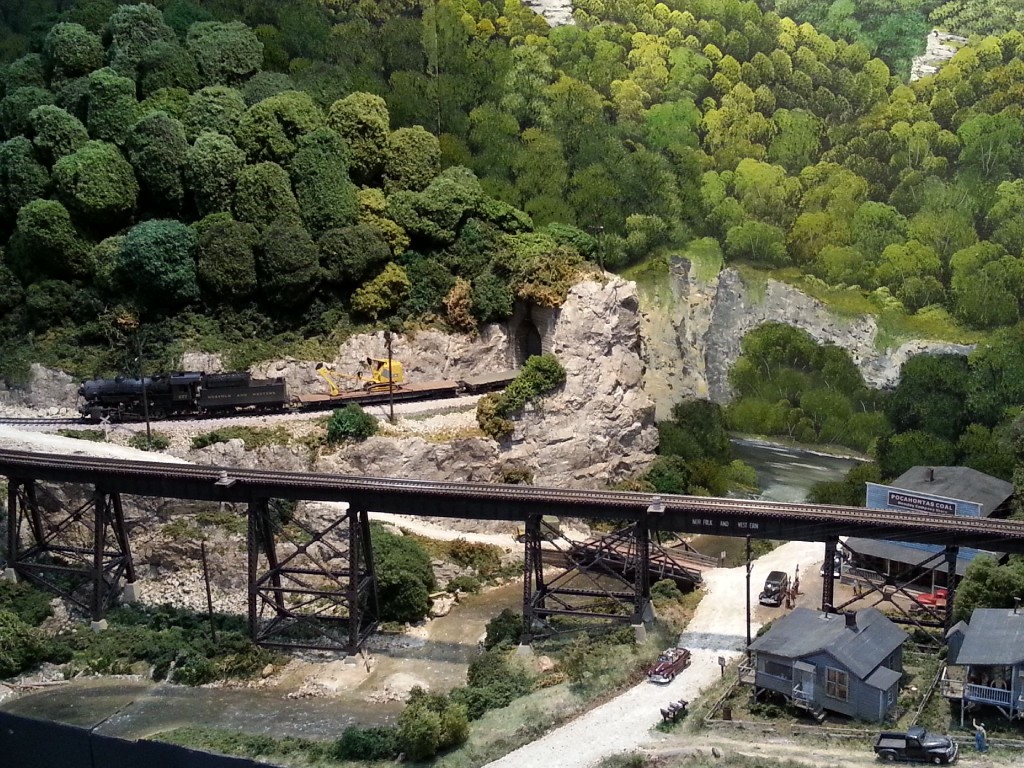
column 350, row 423
column 263, row 194
column 55, row 133
column 112, row 109
column 287, row 263
column 383, row 294
column 158, row 150
column 986, row 584
column 930, row 396
column 157, row 263
column 362, row 120
column 756, row 242
column 130, row 30
column 226, row 265
column 319, row 170
column 915, row 448
column 262, row 85
column 97, row 185
column 22, row 177
column 16, row 107
column 166, row 65
column 349, row 254
column 226, row 53
column 212, row 165
column 70, row 51
column 271, row 129
column 404, row 576
column 413, row 159
column 215, row 108
column 45, row 243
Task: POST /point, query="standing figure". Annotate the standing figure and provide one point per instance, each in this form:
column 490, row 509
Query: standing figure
column 980, row 737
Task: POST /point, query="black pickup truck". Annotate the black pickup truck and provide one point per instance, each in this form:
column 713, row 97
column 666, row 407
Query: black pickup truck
column 916, row 746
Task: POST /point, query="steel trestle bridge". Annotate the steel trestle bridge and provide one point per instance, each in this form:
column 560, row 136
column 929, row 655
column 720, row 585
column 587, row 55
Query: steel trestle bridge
column 315, row 580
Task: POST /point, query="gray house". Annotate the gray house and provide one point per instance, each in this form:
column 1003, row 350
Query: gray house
column 985, row 662
column 847, row 663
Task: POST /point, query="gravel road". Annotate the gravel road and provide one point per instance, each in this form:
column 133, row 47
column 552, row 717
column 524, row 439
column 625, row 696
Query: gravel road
column 718, row 628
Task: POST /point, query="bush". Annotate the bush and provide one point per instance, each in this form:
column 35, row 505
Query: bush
column 156, row 441
column 405, row 578
column 350, row 423
column 366, row 744
column 540, row 374
column 505, row 628
column 21, row 646
column 431, row 723
column 463, row 584
column 29, row 604
column 485, row 559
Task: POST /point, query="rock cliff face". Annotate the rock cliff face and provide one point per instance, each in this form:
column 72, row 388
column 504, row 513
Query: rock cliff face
column 709, row 320
column 597, row 429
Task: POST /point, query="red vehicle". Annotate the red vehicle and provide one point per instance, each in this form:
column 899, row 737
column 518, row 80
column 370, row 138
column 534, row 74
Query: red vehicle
column 936, row 599
column 669, row 664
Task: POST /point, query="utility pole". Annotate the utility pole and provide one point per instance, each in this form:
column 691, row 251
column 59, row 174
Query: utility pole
column 391, row 379
column 749, row 569
column 145, row 395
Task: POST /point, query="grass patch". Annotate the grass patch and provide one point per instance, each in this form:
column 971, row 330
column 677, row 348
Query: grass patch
column 156, row 441
column 252, row 437
column 92, row 435
column 734, row 547
column 293, row 750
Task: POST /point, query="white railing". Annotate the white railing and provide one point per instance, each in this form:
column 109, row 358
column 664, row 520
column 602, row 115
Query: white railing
column 983, row 693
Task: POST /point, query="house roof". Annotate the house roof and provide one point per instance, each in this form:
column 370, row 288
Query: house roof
column 883, row 678
column 957, row 483
column 912, row 553
column 860, row 649
column 994, row 636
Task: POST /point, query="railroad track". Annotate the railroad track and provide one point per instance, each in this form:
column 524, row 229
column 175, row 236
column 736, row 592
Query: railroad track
column 495, row 501
column 41, row 422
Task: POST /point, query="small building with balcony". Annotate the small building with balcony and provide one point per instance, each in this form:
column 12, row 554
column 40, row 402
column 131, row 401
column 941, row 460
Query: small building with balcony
column 848, row 663
column 985, row 662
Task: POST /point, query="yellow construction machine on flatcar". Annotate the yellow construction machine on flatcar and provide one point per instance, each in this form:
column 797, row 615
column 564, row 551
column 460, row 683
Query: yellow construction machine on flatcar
column 381, row 375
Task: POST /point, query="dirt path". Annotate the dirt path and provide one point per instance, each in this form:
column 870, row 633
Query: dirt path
column 718, row 628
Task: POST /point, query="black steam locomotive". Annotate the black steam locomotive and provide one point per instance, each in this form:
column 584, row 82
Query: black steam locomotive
column 181, row 394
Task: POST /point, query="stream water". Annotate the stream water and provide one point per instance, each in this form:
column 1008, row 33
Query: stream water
column 137, row 708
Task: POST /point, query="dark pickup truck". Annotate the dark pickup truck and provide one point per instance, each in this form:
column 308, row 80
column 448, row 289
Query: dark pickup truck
column 916, row 746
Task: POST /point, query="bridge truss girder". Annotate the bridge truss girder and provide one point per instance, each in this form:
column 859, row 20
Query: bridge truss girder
column 884, row 587
column 82, row 554
column 311, row 585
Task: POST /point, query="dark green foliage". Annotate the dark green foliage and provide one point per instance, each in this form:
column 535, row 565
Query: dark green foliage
column 504, row 629
column 51, row 303
column 492, row 681
column 154, row 442
column 350, row 254
column 404, row 576
column 669, row 474
column 484, row 559
column 129, row 32
column 431, row 723
column 97, row 185
column 271, row 129
column 380, row 743
column 493, row 300
column 27, row 603
column 70, row 51
column 22, row 177
column 986, row 584
column 226, row 52
column 539, row 375
column 566, row 234
column 212, row 165
column 21, row 646
column 413, row 159
column 167, row 65
column 849, row 491
column 263, row 85
column 112, row 109
column 226, row 266
column 157, row 264
column 319, row 169
column 898, row 453
column 287, row 263
column 930, row 396
column 362, row 120
column 55, row 133
column 173, row 101
column 157, row 150
column 350, row 423
column 16, row 107
column 431, row 282
column 437, row 211
column 697, row 430
column 215, row 108
column 263, row 194
column 45, row 243
column 25, row 72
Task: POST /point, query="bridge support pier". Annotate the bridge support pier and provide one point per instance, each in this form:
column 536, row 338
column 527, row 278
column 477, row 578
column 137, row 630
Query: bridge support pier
column 82, row 554
column 311, row 580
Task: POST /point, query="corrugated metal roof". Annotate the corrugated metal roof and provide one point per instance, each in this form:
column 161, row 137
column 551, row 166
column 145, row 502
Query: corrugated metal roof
column 994, row 636
column 957, row 483
column 883, row 678
column 912, row 554
column 804, row 632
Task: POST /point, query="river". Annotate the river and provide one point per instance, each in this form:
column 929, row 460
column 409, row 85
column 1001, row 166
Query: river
column 437, row 658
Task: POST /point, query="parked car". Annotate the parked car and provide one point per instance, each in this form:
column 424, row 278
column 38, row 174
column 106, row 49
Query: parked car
column 916, row 746
column 775, row 588
column 669, row 664
column 936, row 599
column 550, row 529
column 837, row 569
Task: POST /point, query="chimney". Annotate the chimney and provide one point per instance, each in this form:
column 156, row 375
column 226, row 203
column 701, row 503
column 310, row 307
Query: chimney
column 930, row 475
column 851, row 620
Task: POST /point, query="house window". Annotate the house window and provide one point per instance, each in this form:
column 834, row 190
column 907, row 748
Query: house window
column 890, row 697
column 775, row 669
column 837, row 684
